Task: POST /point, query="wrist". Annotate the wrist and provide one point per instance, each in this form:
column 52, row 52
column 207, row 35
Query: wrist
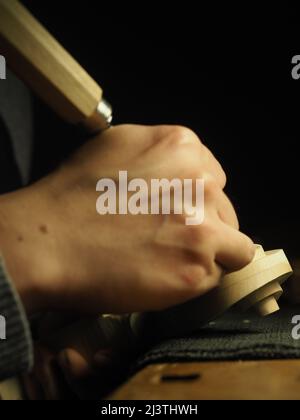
column 24, row 249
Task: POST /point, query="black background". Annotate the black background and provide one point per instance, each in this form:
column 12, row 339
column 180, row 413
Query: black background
column 225, row 73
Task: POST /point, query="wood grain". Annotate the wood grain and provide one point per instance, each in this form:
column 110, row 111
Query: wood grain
column 38, row 59
column 262, row 380
column 257, row 380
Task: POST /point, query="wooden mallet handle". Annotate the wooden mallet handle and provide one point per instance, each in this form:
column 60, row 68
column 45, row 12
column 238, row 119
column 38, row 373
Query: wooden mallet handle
column 42, row 63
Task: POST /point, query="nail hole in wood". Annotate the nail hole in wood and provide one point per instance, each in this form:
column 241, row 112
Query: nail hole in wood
column 180, row 377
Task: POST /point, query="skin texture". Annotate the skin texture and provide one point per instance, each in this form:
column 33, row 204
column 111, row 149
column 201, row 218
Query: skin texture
column 63, row 256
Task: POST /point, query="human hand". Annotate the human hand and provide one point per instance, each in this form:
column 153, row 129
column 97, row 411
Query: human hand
column 62, row 254
column 78, row 358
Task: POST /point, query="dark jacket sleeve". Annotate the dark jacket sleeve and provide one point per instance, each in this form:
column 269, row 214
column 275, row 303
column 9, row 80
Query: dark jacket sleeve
column 16, row 353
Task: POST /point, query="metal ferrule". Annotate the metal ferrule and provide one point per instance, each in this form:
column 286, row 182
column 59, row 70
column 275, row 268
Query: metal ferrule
column 101, row 118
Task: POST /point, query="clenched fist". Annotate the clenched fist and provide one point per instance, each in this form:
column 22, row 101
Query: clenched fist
column 63, row 255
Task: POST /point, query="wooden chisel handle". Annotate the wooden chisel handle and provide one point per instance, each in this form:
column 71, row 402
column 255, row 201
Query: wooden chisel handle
column 43, row 64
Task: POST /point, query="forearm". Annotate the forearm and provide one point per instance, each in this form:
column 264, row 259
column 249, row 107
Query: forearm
column 19, row 287
column 26, row 249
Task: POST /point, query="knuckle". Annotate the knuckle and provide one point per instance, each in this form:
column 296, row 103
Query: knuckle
column 193, row 276
column 227, row 213
column 199, row 279
column 199, row 237
column 235, row 221
column 188, row 281
column 223, row 177
column 179, row 136
column 212, row 189
column 217, row 169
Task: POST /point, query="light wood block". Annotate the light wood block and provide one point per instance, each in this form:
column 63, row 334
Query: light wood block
column 258, row 286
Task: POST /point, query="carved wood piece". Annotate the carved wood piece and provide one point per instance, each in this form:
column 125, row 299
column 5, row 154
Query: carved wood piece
column 258, row 285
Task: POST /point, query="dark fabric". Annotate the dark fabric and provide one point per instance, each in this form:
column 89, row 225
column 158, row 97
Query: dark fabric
column 10, row 177
column 16, row 134
column 16, row 353
column 234, row 336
